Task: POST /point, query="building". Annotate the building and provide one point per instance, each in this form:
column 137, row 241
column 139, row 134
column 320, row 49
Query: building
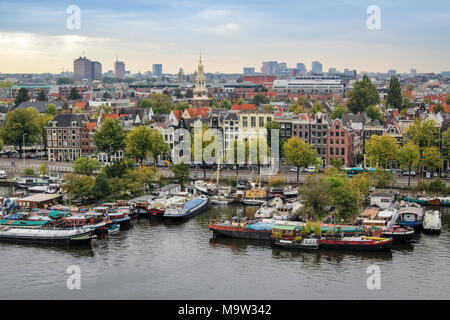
column 96, row 70
column 69, row 137
column 309, row 85
column 157, row 70
column 200, row 98
column 82, row 69
column 249, row 71
column 301, row 68
column 316, row 67
column 344, row 143
column 266, row 81
column 119, row 69
column 269, row 68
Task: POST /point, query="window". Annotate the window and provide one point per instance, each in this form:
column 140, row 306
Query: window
column 244, row 121
column 332, row 151
column 342, row 151
column 331, row 133
column 253, row 121
column 269, row 119
column 261, row 121
column 331, row 141
column 337, row 151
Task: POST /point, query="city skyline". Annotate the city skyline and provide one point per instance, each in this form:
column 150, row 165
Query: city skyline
column 231, row 36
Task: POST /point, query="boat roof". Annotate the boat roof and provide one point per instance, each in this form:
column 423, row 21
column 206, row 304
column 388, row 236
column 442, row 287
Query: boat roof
column 410, row 210
column 282, row 227
column 40, row 197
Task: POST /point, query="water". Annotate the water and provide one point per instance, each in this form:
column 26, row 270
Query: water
column 157, row 260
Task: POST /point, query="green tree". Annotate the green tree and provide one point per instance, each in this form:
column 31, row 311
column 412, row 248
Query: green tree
column 189, row 94
column 374, row 113
column 315, row 195
column 299, row 153
column 432, row 158
column 102, row 187
column 20, row 122
column 394, row 96
column 43, row 168
column 85, row 166
column 78, row 186
column 317, row 107
column 181, row 172
column 22, row 96
column 158, row 145
column 74, row 94
column 339, row 111
column 259, row 99
column 41, row 96
column 138, row 142
column 52, row 109
column 381, row 150
column 160, row 103
column 226, row 104
column 338, row 163
column 364, row 94
column 423, row 133
column 110, row 138
column 345, row 201
column 408, row 158
column 64, row 80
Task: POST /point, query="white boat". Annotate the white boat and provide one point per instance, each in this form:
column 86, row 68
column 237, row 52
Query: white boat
column 269, row 208
column 288, row 211
column 53, row 188
column 28, row 181
column 221, row 200
column 290, row 192
column 39, row 187
column 190, row 208
column 432, row 222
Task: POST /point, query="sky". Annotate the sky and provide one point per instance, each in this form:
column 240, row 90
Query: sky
column 230, row 34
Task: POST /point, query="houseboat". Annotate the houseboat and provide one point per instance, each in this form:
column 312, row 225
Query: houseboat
column 120, row 218
column 411, row 216
column 242, row 229
column 382, row 200
column 28, row 181
column 66, row 237
column 288, row 211
column 89, row 221
column 269, row 208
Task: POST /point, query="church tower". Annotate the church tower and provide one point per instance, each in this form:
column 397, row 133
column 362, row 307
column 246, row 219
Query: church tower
column 200, row 98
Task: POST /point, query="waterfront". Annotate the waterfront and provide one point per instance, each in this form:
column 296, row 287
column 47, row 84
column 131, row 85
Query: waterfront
column 160, row 260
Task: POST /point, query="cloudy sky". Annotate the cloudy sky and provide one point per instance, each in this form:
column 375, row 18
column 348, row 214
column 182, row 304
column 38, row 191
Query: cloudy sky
column 231, row 34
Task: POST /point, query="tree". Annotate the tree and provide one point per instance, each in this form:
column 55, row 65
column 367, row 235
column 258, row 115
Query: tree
column 183, row 105
column 117, row 169
column 241, row 101
column 74, row 95
column 374, row 113
column 138, row 142
column 317, row 107
column 269, row 108
column 408, row 157
column 299, row 153
column 432, row 158
column 102, row 187
column 78, row 186
column 22, row 96
column 160, row 103
column 338, row 163
column 226, row 104
column 20, row 122
column 43, row 168
column 64, row 80
column 381, row 150
column 52, row 109
column 178, row 93
column 85, row 166
column 41, row 96
column 423, row 133
column 364, row 94
column 181, row 172
column 110, row 138
column 189, row 94
column 446, row 144
column 394, row 95
column 158, row 145
column 41, row 120
column 297, row 109
column 406, row 104
column 260, row 99
column 339, row 111
column 345, row 201
column 315, row 195
column 438, row 108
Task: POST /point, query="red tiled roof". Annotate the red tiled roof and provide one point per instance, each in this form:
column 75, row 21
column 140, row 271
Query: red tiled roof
column 110, row 115
column 446, row 107
column 177, row 114
column 80, row 104
column 245, row 107
column 91, row 125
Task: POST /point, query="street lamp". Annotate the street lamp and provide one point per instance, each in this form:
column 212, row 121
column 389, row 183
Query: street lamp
column 23, row 147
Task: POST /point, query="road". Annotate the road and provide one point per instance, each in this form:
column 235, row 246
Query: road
column 60, row 168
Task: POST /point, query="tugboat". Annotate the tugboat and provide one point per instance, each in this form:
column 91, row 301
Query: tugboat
column 256, row 196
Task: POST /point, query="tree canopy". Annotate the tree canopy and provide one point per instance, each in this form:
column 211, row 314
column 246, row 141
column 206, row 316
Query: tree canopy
column 364, row 94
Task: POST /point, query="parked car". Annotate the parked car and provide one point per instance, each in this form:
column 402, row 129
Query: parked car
column 409, row 173
column 310, row 169
column 2, row 174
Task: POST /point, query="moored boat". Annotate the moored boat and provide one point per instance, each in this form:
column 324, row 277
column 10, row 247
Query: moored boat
column 66, row 237
column 190, row 208
column 432, row 222
column 411, row 217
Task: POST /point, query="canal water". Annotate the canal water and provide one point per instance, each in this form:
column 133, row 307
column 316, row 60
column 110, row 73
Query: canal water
column 160, row 260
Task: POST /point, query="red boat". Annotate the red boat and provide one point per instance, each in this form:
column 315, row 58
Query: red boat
column 356, row 243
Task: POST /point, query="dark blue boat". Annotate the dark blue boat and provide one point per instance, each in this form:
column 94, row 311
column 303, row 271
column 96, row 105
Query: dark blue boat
column 191, row 208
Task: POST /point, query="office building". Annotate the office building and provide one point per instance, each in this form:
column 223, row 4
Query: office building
column 82, row 69
column 157, row 70
column 96, row 70
column 249, row 71
column 119, row 69
column 316, row 67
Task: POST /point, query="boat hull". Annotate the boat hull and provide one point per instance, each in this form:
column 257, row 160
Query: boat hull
column 399, row 237
column 355, row 245
column 189, row 214
column 78, row 240
column 240, row 233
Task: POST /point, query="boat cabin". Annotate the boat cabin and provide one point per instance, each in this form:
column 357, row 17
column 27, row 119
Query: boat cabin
column 382, row 200
column 286, row 232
